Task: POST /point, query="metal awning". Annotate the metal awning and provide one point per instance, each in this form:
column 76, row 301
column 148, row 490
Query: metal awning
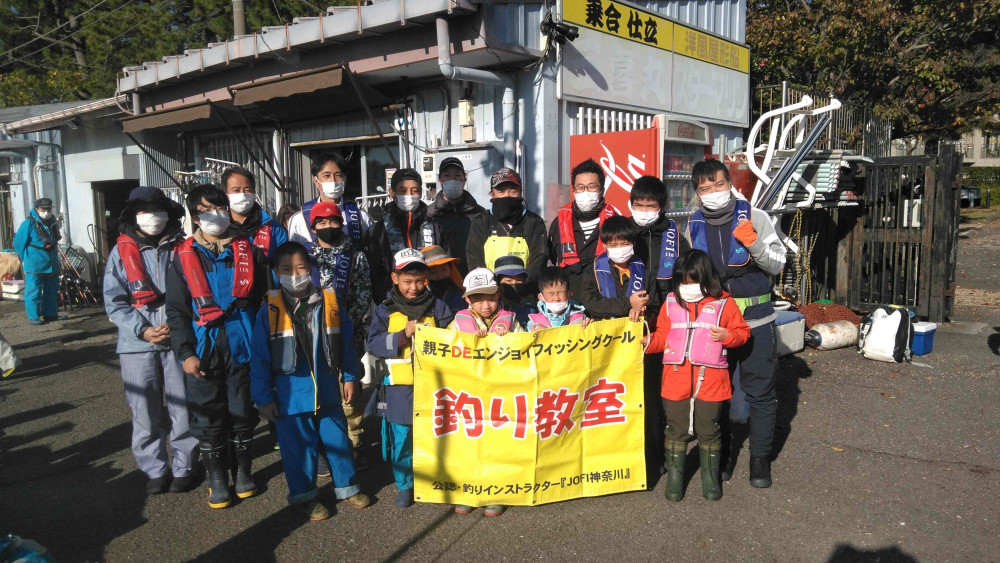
column 288, row 85
column 173, row 118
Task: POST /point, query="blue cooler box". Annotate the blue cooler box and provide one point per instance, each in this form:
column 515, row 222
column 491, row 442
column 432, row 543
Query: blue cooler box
column 923, row 338
column 791, row 332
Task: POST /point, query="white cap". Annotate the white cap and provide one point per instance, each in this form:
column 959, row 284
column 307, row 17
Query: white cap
column 480, row 280
column 408, row 256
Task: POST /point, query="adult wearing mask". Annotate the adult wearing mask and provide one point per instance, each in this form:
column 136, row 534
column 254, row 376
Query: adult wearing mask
column 508, row 229
column 746, row 252
column 329, row 177
column 134, row 284
column 248, row 218
column 574, row 239
column 37, row 245
column 404, row 224
column 454, row 209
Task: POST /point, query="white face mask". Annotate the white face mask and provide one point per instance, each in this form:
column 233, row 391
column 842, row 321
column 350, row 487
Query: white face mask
column 294, row 284
column 407, row 202
column 152, row 223
column 333, row 190
column 716, row 200
column 242, row 203
column 587, row 201
column 44, row 215
column 645, row 218
column 452, row 189
column 690, row 292
column 620, row 255
column 556, row 307
column 214, row 222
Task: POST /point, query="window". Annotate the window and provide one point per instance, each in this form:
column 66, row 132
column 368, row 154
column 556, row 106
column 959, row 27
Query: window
column 991, row 145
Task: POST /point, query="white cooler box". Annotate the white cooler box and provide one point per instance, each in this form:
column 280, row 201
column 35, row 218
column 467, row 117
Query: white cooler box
column 13, row 290
column 791, row 332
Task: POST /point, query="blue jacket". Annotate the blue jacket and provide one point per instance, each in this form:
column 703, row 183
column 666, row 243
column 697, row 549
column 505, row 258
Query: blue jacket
column 188, row 338
column 297, row 392
column 131, row 322
column 29, row 246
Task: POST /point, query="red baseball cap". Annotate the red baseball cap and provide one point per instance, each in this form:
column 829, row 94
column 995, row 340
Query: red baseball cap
column 504, row 176
column 325, row 209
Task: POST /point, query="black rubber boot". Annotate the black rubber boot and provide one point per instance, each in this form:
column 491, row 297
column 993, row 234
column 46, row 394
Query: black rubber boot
column 732, row 441
column 216, row 474
column 760, row 472
column 676, row 452
column 708, row 454
column 245, row 487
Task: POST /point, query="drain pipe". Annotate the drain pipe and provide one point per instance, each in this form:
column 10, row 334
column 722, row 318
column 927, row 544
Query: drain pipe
column 452, row 72
column 61, row 188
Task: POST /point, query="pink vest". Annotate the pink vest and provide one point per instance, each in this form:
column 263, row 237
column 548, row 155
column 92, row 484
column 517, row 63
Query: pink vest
column 539, row 319
column 467, row 323
column 692, row 340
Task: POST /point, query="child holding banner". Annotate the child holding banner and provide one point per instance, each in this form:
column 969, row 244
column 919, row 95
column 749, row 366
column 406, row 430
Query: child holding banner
column 614, row 287
column 696, row 324
column 390, row 339
column 301, row 346
column 443, row 278
column 512, row 279
column 556, row 306
column 484, row 315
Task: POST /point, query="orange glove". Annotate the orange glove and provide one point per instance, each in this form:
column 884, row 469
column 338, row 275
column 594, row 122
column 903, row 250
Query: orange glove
column 745, row 233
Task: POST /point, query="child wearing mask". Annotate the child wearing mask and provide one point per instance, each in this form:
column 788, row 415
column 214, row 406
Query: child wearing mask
column 390, row 340
column 615, row 286
column 485, row 315
column 514, row 287
column 302, row 347
column 698, row 323
column 443, row 278
column 556, row 306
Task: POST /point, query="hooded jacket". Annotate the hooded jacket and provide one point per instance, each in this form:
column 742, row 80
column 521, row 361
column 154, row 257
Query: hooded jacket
column 30, row 241
column 455, row 218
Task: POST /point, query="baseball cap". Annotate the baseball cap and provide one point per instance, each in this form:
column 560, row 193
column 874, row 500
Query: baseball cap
column 408, row 259
column 480, row 280
column 325, row 209
column 450, row 161
column 434, row 255
column 509, row 266
column 504, row 176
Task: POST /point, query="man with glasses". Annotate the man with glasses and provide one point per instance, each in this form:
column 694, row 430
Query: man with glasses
column 329, row 177
column 573, row 235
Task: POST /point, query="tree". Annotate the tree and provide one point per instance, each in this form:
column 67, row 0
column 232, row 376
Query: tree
column 63, row 50
column 932, row 67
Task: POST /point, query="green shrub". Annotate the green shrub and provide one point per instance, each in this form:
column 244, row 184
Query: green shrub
column 987, row 179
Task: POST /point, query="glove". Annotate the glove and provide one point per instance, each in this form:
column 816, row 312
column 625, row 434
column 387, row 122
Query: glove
column 745, row 233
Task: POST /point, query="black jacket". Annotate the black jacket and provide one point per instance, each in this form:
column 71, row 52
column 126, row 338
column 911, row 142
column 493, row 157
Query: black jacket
column 585, row 248
column 647, row 247
column 598, row 306
column 531, row 227
column 455, row 219
column 410, row 227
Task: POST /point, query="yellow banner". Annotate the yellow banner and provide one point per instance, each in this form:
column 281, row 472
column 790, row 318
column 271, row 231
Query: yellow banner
column 528, row 418
column 649, row 28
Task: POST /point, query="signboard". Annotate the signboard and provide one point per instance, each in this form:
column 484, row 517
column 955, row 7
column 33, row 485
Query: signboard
column 528, row 418
column 623, row 155
column 630, row 57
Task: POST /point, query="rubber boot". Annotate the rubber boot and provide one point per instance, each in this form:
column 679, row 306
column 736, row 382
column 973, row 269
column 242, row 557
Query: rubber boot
column 216, row 474
column 676, row 452
column 708, row 454
column 245, row 487
column 732, row 441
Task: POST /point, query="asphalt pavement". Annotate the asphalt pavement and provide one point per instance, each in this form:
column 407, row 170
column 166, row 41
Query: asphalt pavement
column 875, row 462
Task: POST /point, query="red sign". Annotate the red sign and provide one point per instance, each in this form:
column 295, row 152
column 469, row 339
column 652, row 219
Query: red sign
column 624, row 156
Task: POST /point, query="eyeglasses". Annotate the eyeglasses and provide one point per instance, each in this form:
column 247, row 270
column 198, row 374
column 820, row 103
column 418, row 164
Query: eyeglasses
column 580, row 188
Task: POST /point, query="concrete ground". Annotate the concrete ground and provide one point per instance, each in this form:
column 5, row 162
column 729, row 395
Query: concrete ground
column 875, row 462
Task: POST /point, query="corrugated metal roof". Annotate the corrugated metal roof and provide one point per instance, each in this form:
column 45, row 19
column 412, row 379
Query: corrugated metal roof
column 8, row 115
column 56, row 118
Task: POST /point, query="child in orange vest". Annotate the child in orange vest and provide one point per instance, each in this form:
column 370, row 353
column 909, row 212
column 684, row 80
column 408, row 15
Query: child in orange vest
column 695, row 327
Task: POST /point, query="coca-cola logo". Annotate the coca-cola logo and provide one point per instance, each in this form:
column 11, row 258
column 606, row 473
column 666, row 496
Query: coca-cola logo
column 618, row 175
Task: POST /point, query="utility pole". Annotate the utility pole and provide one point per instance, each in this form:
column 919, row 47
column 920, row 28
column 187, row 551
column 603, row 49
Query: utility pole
column 239, row 18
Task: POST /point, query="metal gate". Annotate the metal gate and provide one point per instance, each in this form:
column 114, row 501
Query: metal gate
column 905, row 244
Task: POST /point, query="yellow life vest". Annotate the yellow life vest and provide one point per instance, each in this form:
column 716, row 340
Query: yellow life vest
column 282, row 338
column 498, row 246
column 399, row 371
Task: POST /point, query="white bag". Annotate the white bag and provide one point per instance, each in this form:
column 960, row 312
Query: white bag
column 886, row 335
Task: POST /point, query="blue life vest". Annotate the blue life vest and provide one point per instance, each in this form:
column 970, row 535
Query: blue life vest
column 738, row 254
column 606, row 280
column 668, row 252
column 352, row 218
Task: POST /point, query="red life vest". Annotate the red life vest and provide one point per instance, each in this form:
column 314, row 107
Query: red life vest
column 567, row 237
column 262, row 237
column 197, row 281
column 139, row 285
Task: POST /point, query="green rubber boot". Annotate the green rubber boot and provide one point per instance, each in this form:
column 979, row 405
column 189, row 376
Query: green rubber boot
column 709, row 456
column 676, row 452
